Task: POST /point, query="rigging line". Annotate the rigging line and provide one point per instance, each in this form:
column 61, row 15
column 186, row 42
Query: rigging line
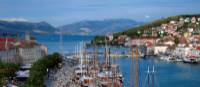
column 156, row 81
column 153, row 74
column 145, row 80
column 143, row 75
column 149, row 77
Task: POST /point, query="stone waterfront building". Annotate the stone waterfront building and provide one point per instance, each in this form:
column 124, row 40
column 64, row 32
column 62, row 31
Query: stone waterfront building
column 21, row 52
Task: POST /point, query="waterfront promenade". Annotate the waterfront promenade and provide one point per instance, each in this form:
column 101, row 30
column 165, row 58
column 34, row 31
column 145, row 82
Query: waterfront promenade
column 61, row 77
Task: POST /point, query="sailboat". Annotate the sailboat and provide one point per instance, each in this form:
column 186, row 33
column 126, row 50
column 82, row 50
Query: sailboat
column 109, row 75
column 84, row 71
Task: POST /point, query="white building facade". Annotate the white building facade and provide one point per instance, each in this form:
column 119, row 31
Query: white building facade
column 26, row 55
column 160, row 49
column 30, row 55
column 182, row 51
column 9, row 55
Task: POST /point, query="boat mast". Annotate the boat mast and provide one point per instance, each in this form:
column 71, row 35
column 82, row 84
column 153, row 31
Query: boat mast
column 134, row 68
column 6, row 44
column 94, row 63
column 95, row 56
column 81, row 58
column 77, row 51
column 106, row 54
column 136, row 56
column 61, row 43
column 85, row 56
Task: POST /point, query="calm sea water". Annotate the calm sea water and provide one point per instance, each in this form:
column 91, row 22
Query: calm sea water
column 167, row 74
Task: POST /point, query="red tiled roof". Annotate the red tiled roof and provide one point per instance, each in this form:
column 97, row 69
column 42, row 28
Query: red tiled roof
column 183, row 40
column 8, row 39
column 24, row 44
column 193, row 57
column 2, row 46
column 144, row 38
column 198, row 48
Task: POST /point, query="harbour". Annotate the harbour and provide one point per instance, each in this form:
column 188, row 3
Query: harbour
column 95, row 43
column 178, row 71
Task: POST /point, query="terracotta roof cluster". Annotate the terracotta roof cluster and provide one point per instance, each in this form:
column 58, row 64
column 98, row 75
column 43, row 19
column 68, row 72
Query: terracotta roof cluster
column 198, row 48
column 144, row 37
column 4, row 46
column 9, row 43
column 183, row 40
column 25, row 44
column 7, row 39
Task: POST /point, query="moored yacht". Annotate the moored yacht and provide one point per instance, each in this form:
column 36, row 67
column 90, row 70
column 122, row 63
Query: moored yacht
column 190, row 59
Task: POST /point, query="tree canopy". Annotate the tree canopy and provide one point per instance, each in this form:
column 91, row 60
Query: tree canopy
column 38, row 70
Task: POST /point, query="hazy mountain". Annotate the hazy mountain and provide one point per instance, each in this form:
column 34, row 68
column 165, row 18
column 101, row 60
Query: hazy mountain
column 98, row 27
column 79, row 28
column 23, row 26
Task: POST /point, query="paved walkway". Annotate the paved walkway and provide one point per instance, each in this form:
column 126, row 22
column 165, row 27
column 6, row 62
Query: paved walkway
column 61, row 77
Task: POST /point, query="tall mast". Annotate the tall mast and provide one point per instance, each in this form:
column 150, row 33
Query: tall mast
column 76, row 51
column 94, row 63
column 134, row 68
column 95, row 56
column 86, row 60
column 6, row 44
column 137, row 79
column 106, row 55
column 81, row 58
column 61, row 43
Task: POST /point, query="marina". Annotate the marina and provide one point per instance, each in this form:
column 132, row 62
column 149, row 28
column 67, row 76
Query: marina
column 180, row 71
column 90, row 72
column 95, row 43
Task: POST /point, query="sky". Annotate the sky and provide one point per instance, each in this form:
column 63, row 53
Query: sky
column 60, row 12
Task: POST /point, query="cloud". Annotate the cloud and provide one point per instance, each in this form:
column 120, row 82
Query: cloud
column 147, row 16
column 14, row 19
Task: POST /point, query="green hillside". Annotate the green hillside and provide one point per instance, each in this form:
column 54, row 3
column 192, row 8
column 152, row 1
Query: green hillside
column 133, row 32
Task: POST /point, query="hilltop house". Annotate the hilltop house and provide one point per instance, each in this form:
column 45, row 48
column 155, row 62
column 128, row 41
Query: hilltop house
column 193, row 20
column 198, row 19
column 187, row 20
column 121, row 39
column 171, row 29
